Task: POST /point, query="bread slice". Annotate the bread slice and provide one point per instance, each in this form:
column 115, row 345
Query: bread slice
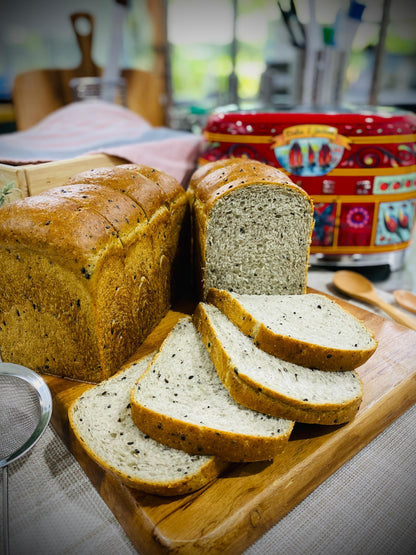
column 252, row 229
column 180, row 401
column 101, row 421
column 265, row 383
column 311, row 330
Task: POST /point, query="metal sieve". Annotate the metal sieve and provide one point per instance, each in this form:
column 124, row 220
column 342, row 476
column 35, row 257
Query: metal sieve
column 25, row 411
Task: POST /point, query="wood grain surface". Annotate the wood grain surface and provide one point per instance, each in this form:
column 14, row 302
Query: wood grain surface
column 235, row 510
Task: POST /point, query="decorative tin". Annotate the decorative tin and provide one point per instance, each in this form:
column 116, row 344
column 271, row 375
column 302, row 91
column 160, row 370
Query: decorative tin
column 358, row 166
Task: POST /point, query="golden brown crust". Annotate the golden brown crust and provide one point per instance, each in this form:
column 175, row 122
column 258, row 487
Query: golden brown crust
column 207, row 168
column 285, row 347
column 187, row 484
column 264, row 400
column 147, row 186
column 121, row 212
column 90, row 244
column 169, row 185
column 200, row 440
column 133, row 184
column 223, row 178
column 57, row 227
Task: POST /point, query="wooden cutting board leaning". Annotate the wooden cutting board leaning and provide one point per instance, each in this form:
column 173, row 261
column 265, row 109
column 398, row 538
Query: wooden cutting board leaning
column 37, row 93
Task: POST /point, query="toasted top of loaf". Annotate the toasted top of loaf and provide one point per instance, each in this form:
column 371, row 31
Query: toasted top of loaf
column 216, row 179
column 58, row 228
column 207, row 168
column 94, row 214
column 123, row 214
column 311, row 330
column 101, row 420
column 147, row 186
column 181, row 401
column 266, row 383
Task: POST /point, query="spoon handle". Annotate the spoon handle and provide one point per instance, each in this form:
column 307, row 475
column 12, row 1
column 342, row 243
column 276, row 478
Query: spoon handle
column 396, row 314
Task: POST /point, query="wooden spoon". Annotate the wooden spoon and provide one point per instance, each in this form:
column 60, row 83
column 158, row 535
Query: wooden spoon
column 361, row 288
column 406, row 299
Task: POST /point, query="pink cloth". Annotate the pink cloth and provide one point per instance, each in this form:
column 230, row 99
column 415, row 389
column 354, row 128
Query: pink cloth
column 100, row 127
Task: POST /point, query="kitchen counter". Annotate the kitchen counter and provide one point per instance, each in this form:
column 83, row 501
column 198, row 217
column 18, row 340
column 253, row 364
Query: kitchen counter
column 367, row 506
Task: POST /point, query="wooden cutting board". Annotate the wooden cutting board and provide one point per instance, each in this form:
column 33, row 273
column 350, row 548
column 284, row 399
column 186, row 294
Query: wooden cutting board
column 235, row 510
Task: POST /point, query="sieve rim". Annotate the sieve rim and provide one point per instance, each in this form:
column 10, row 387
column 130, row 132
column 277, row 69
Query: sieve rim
column 45, row 404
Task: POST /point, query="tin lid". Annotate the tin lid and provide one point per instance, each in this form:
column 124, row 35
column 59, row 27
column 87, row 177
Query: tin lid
column 371, row 120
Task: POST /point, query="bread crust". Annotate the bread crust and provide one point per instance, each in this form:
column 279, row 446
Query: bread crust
column 262, row 399
column 182, row 485
column 132, row 183
column 216, row 180
column 207, row 168
column 199, row 439
column 109, row 240
column 221, row 180
column 288, row 348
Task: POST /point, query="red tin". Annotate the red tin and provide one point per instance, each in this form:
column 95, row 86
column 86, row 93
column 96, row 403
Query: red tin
column 358, row 166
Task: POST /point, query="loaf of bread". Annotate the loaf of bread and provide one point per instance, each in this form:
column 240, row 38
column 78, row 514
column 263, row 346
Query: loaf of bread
column 311, row 330
column 268, row 384
column 101, row 421
column 181, row 402
column 252, row 228
column 165, row 208
column 87, row 270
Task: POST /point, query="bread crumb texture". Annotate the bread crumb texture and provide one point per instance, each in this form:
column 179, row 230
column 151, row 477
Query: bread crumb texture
column 258, row 241
column 101, row 419
column 182, row 383
column 277, row 378
column 312, row 318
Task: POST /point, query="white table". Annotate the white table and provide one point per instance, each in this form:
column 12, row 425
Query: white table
column 368, row 506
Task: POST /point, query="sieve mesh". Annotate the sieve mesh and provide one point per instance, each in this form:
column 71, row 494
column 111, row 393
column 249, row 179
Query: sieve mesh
column 20, row 413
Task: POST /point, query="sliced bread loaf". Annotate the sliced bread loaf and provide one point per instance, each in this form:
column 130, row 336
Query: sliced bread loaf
column 87, row 271
column 180, row 401
column 310, row 330
column 265, row 383
column 251, row 229
column 101, row 421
